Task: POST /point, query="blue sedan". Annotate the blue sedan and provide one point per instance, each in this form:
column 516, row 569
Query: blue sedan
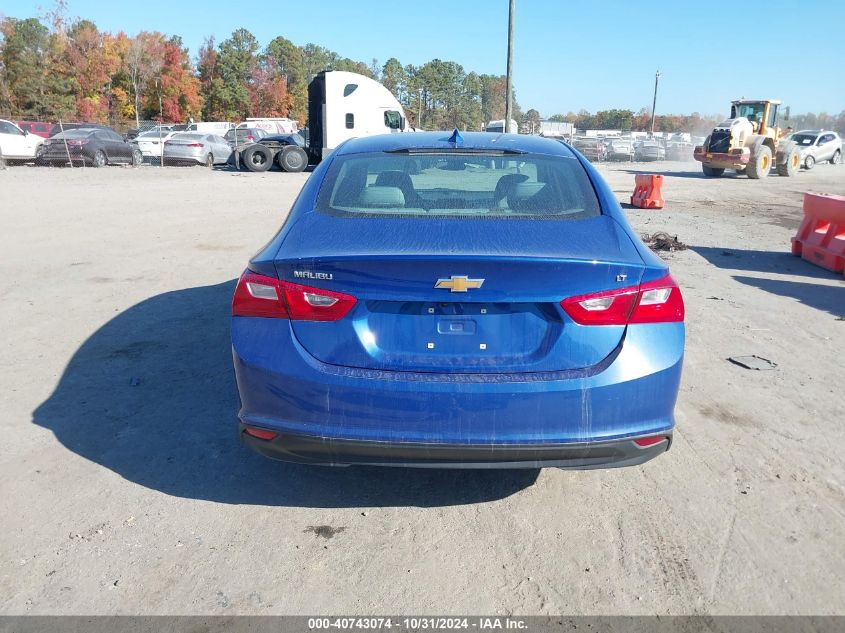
column 474, row 301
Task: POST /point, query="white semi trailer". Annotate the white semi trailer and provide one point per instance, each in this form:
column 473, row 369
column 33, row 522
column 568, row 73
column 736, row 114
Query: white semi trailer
column 344, row 105
column 341, row 105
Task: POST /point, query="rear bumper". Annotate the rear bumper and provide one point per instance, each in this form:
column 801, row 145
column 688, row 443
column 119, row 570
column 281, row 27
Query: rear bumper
column 183, row 157
column 294, row 447
column 717, row 159
column 57, row 156
column 331, row 414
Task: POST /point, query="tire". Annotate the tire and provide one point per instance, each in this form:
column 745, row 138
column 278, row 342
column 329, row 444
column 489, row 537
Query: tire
column 712, row 172
column 209, row 161
column 137, row 158
column 760, row 163
column 809, row 163
column 292, row 159
column 257, row 157
column 790, row 166
column 2, row 162
column 99, row 159
column 837, row 158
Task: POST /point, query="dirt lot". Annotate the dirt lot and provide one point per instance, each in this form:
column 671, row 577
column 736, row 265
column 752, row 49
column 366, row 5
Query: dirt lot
column 123, row 488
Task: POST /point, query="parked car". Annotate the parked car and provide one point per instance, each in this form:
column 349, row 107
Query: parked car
column 151, row 143
column 816, row 146
column 679, row 150
column 209, row 127
column 18, row 145
column 619, row 149
column 196, row 148
column 39, row 128
column 243, row 136
column 649, row 150
column 388, row 323
column 134, row 133
column 592, row 148
column 90, row 146
column 60, row 127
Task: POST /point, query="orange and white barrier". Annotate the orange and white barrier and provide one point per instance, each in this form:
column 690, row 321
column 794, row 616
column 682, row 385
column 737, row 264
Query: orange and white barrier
column 821, row 236
column 648, row 191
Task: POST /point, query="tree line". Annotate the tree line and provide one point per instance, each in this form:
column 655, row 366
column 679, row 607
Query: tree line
column 55, row 68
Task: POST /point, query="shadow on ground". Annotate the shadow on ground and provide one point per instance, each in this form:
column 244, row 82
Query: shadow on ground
column 151, row 395
column 821, row 297
column 783, row 262
column 681, row 174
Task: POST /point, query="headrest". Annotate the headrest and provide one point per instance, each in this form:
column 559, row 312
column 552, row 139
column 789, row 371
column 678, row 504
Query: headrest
column 382, row 197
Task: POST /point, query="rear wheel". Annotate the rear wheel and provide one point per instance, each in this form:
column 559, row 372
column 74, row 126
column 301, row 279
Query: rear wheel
column 837, row 157
column 258, row 157
column 712, row 172
column 809, row 162
column 292, row 159
column 137, row 158
column 790, row 166
column 209, row 160
column 760, row 163
column 99, row 158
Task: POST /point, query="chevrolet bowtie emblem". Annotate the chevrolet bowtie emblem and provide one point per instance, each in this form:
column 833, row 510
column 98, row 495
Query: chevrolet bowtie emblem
column 459, row 283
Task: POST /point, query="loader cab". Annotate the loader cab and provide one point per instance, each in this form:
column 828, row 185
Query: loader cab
column 763, row 115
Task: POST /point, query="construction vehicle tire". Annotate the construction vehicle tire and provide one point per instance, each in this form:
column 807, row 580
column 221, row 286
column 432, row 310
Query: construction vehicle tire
column 790, row 166
column 760, row 163
column 712, row 172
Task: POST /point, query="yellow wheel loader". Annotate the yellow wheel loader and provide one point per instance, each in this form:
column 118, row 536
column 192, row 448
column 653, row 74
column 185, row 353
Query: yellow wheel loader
column 749, row 142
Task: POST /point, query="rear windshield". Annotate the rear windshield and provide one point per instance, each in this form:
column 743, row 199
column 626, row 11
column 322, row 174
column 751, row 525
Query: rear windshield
column 188, row 137
column 76, row 133
column 456, row 184
column 804, row 139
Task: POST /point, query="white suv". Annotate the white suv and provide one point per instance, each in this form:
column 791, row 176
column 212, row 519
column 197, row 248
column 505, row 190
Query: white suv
column 15, row 144
column 817, row 146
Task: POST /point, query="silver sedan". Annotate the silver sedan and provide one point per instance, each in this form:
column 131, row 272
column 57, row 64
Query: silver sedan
column 817, row 146
column 196, row 148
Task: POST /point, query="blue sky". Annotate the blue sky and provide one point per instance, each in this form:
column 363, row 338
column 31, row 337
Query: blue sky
column 568, row 55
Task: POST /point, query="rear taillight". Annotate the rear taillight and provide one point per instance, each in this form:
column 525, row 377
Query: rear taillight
column 658, row 301
column 262, row 296
column 76, row 142
column 194, row 145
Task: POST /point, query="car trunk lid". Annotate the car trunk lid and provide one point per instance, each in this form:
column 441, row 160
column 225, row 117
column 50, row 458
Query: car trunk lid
column 458, row 295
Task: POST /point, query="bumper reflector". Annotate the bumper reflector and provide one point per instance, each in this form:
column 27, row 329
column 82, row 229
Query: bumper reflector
column 649, row 441
column 261, row 434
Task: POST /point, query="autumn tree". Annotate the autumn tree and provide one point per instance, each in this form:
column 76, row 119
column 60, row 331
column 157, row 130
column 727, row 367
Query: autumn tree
column 91, row 67
column 144, row 61
column 289, row 62
column 174, row 94
column 35, row 82
column 235, row 67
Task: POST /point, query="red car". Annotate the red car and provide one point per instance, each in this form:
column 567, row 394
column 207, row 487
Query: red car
column 39, row 128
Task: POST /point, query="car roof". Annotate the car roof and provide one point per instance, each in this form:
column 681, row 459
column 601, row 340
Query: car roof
column 440, row 140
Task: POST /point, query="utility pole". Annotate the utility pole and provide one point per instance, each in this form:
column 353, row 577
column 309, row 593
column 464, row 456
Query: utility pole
column 509, row 80
column 419, row 116
column 654, row 102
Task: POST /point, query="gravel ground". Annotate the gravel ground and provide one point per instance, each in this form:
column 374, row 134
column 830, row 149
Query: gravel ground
column 123, row 488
